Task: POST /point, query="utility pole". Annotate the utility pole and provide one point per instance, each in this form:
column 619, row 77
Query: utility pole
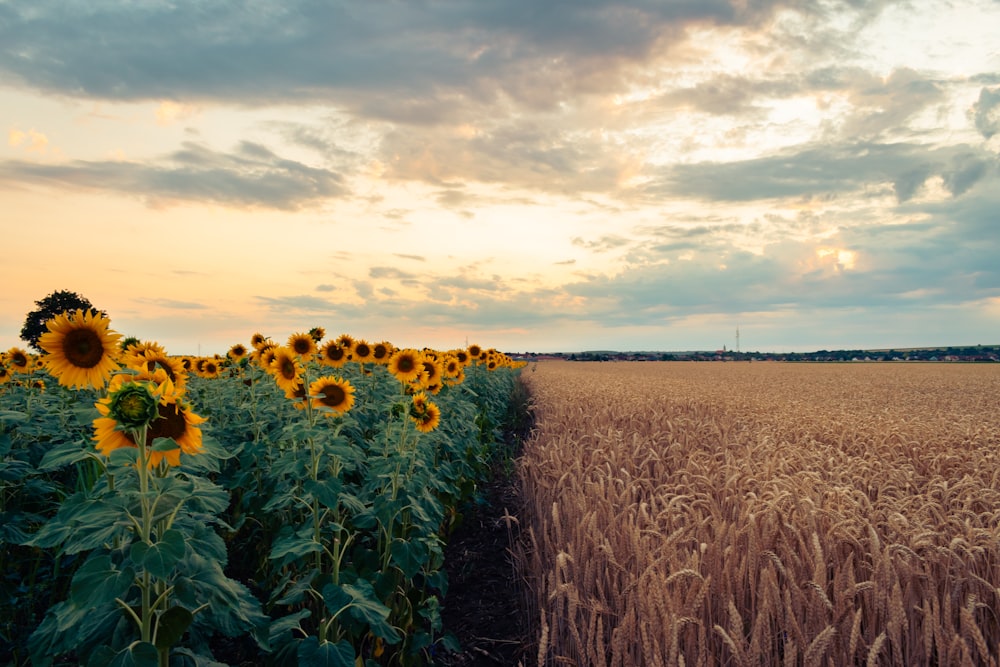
column 737, row 338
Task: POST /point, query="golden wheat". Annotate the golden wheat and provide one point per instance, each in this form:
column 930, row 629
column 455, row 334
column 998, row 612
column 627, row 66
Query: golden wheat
column 762, row 514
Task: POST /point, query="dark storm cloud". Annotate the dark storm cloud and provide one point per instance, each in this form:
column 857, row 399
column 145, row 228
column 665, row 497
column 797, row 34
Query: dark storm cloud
column 251, row 176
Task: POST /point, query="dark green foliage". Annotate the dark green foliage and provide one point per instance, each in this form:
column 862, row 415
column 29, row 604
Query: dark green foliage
column 52, row 305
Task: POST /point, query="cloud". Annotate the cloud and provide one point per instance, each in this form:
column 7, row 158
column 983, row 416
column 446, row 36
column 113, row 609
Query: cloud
column 986, row 112
column 419, row 63
column 175, row 304
column 824, row 169
column 250, row 176
column 32, row 140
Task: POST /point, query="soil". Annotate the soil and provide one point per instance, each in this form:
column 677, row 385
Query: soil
column 485, row 605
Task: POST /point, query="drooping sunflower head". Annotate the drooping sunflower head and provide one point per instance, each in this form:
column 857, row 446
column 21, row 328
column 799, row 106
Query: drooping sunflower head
column 333, row 355
column 80, row 349
column 362, row 352
column 303, row 345
column 333, row 393
column 419, row 405
column 407, row 365
column 286, row 369
column 318, row 334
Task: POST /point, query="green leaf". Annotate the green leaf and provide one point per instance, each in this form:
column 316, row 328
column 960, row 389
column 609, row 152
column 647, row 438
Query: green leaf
column 164, row 445
column 409, row 556
column 97, row 582
column 139, row 654
column 66, row 453
column 292, row 547
column 327, row 654
column 160, row 557
column 364, row 606
column 171, row 625
column 124, row 456
column 326, row 491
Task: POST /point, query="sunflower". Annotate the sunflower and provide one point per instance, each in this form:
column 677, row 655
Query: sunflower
column 237, row 352
column 429, row 419
column 362, row 352
column 419, row 406
column 462, row 356
column 80, row 349
column 18, row 360
column 303, row 345
column 334, row 393
column 210, row 369
column 286, row 369
column 381, row 352
column 151, row 360
column 451, row 367
column 332, row 355
column 4, row 374
column 474, row 352
column 263, row 355
column 432, row 372
column 406, row 365
column 298, row 396
column 258, row 340
column 345, row 341
column 142, row 347
column 317, row 333
column 173, row 420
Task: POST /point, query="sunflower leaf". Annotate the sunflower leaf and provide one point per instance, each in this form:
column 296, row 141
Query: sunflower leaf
column 171, row 626
column 314, row 654
column 160, row 557
column 97, row 582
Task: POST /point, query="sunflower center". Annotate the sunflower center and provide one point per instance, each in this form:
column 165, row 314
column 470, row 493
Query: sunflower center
column 83, row 348
column 380, row 351
column 287, row 368
column 171, row 424
column 19, row 359
column 362, row 350
column 333, row 395
column 301, row 346
column 406, row 364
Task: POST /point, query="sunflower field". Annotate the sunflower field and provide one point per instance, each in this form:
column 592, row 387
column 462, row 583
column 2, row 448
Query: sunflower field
column 289, row 501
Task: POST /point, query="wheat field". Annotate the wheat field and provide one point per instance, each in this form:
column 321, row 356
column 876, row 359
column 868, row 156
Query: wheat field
column 763, row 514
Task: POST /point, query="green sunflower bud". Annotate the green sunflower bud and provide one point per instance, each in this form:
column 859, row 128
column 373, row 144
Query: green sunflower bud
column 134, row 405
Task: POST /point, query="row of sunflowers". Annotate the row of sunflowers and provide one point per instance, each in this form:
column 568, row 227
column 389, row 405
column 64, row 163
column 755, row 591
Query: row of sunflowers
column 284, row 504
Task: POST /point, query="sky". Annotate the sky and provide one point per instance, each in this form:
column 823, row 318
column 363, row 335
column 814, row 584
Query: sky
column 530, row 175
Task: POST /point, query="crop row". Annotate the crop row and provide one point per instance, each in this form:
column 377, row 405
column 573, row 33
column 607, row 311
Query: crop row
column 286, row 503
column 763, row 514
